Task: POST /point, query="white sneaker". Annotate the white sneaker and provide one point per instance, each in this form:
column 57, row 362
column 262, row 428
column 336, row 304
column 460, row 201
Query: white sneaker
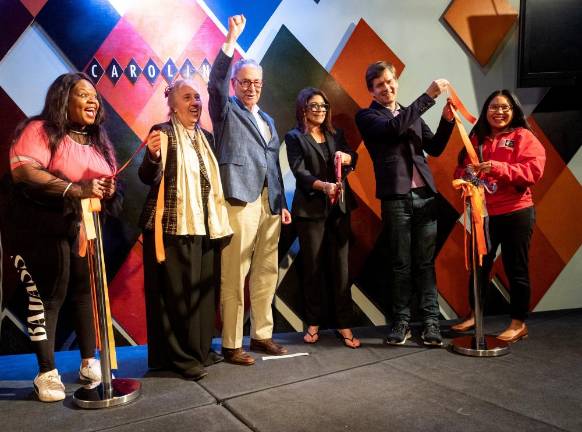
column 48, row 386
column 92, row 372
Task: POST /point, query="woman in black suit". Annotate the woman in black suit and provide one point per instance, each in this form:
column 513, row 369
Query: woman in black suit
column 321, row 212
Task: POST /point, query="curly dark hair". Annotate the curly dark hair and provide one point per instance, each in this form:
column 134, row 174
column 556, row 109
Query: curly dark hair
column 301, row 104
column 55, row 118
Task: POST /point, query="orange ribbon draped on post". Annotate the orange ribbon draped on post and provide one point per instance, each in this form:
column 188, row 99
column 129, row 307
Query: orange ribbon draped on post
column 472, row 195
column 475, row 196
column 88, row 241
column 89, row 232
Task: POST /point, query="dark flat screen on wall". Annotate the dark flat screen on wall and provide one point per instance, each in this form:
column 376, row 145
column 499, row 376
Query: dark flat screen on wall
column 550, row 43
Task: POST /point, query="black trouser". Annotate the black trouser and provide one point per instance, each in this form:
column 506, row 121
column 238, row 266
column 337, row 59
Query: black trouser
column 180, row 302
column 50, row 272
column 324, row 247
column 513, row 232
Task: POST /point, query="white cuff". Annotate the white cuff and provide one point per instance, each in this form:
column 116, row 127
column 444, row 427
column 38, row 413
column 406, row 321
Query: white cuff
column 228, row 48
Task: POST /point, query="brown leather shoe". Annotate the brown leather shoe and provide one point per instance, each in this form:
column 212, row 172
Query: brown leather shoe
column 268, row 346
column 237, row 356
column 510, row 336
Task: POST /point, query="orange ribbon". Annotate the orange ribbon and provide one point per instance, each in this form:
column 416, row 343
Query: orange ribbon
column 459, row 105
column 132, row 157
column 158, row 229
column 472, row 195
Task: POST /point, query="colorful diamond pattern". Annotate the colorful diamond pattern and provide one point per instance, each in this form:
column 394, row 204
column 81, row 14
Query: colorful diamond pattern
column 180, row 38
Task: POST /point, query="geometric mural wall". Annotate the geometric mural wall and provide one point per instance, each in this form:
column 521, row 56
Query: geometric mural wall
column 134, row 49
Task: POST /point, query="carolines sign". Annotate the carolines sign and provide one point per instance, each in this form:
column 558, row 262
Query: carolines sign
column 150, row 71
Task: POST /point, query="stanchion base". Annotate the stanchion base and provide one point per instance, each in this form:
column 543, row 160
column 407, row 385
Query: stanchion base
column 492, row 347
column 124, row 391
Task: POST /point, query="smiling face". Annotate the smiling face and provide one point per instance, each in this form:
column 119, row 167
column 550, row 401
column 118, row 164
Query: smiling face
column 385, row 89
column 499, row 114
column 245, row 89
column 315, row 111
column 83, row 104
column 187, row 105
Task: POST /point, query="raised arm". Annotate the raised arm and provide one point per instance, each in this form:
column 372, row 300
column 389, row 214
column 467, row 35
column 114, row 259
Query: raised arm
column 375, row 125
column 219, row 74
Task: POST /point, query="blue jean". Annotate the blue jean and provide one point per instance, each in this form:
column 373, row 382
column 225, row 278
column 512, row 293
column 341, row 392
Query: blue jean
column 409, row 232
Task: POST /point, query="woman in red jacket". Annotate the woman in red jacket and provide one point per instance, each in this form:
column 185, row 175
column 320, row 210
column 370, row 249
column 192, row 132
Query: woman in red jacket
column 512, row 158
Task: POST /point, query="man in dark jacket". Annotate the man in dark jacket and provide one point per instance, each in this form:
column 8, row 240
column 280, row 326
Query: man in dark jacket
column 397, row 138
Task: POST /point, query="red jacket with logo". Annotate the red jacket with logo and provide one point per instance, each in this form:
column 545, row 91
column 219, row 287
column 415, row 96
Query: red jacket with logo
column 517, row 163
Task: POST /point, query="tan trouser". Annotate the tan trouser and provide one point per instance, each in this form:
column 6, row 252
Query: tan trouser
column 254, row 247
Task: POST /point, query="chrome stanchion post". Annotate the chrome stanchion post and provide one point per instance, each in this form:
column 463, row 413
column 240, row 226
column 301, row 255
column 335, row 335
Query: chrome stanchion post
column 110, row 392
column 104, row 355
column 479, row 331
column 478, row 345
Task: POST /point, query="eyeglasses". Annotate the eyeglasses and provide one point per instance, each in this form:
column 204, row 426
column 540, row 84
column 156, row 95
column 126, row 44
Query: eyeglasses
column 246, row 84
column 315, row 107
column 503, row 108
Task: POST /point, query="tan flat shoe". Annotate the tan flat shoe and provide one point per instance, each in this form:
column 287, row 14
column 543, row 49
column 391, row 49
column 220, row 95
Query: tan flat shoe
column 513, row 336
column 464, row 326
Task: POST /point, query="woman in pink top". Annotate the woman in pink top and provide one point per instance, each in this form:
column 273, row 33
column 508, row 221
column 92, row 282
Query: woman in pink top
column 56, row 159
column 513, row 159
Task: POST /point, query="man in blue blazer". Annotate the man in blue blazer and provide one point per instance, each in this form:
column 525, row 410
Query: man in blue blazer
column 397, row 138
column 247, row 148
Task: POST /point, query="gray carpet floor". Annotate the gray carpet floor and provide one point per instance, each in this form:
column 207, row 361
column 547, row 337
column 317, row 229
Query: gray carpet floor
column 537, row 387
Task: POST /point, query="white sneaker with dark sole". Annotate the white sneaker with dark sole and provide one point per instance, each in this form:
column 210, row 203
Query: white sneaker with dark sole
column 49, row 387
column 90, row 373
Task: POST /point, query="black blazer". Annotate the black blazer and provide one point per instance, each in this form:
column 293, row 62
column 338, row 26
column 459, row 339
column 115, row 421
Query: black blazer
column 307, row 162
column 395, row 143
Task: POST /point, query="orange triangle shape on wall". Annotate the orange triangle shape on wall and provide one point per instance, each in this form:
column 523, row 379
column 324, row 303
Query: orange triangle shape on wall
column 481, row 25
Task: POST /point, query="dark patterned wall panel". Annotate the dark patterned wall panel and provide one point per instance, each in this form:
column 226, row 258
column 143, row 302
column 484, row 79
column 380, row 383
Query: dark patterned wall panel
column 78, row 27
column 560, row 117
column 13, row 21
column 287, row 68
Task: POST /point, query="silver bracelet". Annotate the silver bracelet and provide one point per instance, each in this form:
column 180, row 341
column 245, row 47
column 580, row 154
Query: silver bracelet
column 67, row 188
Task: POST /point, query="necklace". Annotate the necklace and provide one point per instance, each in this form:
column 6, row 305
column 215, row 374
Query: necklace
column 78, row 132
